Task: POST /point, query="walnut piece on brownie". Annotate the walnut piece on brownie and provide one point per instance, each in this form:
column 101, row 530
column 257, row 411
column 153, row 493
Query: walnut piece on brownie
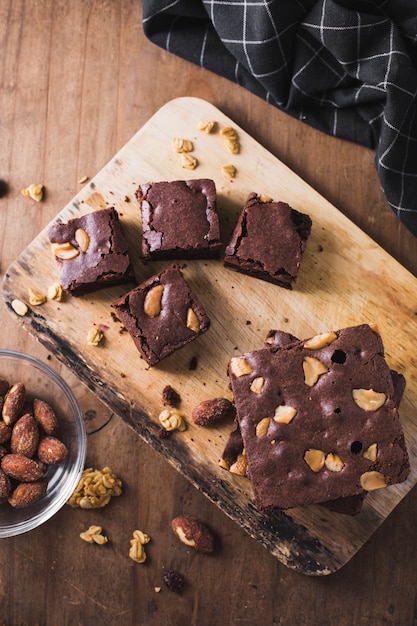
column 333, row 447
column 268, row 241
column 162, row 315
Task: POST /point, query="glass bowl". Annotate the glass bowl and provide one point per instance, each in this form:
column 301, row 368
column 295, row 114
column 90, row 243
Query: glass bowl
column 42, row 382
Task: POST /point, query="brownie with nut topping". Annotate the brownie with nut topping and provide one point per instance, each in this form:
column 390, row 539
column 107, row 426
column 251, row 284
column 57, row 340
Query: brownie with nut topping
column 162, row 315
column 319, row 419
column 268, row 241
column 179, row 220
column 91, row 252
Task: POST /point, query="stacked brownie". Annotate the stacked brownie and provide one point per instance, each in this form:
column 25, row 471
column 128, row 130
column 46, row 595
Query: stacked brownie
column 319, row 419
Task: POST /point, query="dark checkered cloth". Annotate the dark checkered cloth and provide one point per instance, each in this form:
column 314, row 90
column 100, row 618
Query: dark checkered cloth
column 347, row 67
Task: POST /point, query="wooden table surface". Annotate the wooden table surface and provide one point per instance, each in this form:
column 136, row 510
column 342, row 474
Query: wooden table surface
column 78, row 79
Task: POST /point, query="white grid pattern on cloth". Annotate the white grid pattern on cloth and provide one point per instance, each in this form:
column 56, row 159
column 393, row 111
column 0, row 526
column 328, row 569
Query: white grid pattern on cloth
column 347, row 67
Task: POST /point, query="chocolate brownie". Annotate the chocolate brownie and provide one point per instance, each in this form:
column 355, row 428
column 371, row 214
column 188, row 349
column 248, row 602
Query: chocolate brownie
column 91, row 252
column 351, row 505
column 179, row 220
column 268, row 241
column 162, row 315
column 319, row 419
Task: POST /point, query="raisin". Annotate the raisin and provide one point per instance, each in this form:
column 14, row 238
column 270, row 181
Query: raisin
column 174, row 581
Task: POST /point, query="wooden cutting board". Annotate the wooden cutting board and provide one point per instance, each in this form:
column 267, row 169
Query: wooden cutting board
column 345, row 279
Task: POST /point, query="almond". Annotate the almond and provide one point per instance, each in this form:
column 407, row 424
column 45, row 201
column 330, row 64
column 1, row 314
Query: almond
column 26, row 494
column 210, row 411
column 25, row 436
column 5, row 432
column 192, row 532
column 45, row 417
column 21, row 468
column 5, row 486
column 13, row 403
column 52, row 450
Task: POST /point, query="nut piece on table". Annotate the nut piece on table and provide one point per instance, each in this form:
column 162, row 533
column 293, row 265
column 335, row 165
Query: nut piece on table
column 212, row 410
column 137, row 551
column 19, row 307
column 189, row 162
column 171, row 419
column 229, row 171
column 34, row 191
column 182, row 145
column 36, row 298
column 94, row 336
column 206, row 126
column 55, row 292
column 95, row 489
column 94, row 535
column 193, row 533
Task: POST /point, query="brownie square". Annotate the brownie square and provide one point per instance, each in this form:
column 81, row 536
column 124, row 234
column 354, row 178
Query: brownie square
column 268, row 241
column 341, row 436
column 162, row 315
column 350, row 505
column 91, row 252
column 179, row 220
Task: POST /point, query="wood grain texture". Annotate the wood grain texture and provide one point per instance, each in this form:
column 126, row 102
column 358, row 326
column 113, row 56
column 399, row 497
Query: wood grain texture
column 77, row 80
column 345, row 279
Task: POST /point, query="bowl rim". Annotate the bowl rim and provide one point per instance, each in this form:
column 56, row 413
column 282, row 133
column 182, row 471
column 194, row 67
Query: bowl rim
column 9, row 530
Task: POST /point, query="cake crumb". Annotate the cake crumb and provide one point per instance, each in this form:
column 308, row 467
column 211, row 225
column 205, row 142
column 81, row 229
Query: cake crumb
column 170, row 396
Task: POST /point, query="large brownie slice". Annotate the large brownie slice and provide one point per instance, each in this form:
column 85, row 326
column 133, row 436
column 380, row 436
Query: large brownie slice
column 179, row 219
column 162, row 315
column 91, row 251
column 319, row 419
column 268, row 241
column 232, row 456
